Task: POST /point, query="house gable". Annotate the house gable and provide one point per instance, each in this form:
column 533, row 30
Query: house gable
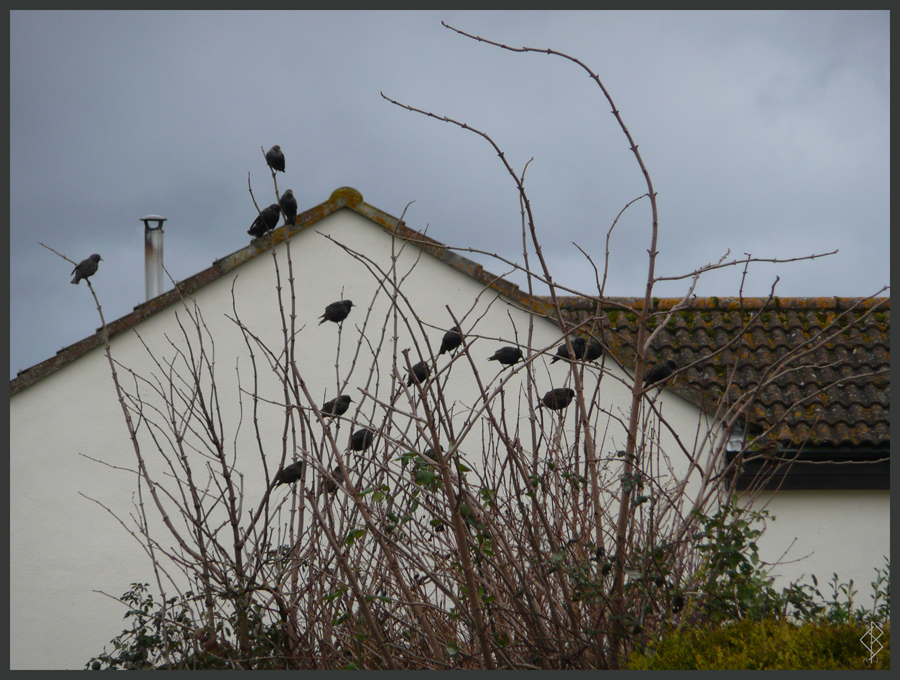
column 834, row 400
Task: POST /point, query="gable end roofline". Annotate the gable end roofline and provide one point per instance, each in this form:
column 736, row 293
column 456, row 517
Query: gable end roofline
column 343, row 198
column 574, row 309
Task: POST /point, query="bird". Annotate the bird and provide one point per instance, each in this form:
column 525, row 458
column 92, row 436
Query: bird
column 507, row 355
column 562, row 351
column 86, row 268
column 594, row 351
column 582, row 349
column 558, row 399
column 418, row 374
column 337, row 477
column 362, row 439
column 289, row 207
column 336, row 407
column 336, row 311
column 452, row 340
column 660, row 372
column 290, row 474
column 275, row 159
column 267, row 220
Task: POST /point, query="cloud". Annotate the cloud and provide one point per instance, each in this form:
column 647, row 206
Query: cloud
column 763, row 132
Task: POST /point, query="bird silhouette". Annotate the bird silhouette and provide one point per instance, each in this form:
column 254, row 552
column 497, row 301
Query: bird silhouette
column 558, row 399
column 331, row 483
column 418, row 374
column 267, row 220
column 660, row 372
column 589, row 351
column 288, row 207
column 336, row 407
column 290, row 474
column 452, row 340
column 336, row 311
column 507, row 355
column 562, row 352
column 86, row 268
column 275, row 159
column 594, row 351
column 362, row 439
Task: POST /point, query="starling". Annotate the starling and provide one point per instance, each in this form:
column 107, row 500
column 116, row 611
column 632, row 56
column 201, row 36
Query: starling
column 588, row 351
column 558, row 399
column 361, row 439
column 275, row 159
column 290, row 474
column 337, row 477
column 289, row 207
column 594, row 351
column 336, row 311
column 660, row 372
column 418, row 374
column 267, row 220
column 86, row 268
column 507, row 355
column 562, row 351
column 336, row 407
column 452, row 340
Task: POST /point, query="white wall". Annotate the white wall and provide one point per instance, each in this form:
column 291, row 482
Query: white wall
column 827, row 532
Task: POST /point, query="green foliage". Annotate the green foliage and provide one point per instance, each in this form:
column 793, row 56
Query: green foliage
column 737, row 620
column 168, row 638
column 141, row 647
column 732, row 584
column 732, row 580
column 767, row 644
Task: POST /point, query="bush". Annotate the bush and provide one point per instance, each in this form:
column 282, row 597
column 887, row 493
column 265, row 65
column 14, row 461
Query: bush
column 768, row 644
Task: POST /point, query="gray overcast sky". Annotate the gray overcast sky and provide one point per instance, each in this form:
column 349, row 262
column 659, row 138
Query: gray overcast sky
column 765, row 133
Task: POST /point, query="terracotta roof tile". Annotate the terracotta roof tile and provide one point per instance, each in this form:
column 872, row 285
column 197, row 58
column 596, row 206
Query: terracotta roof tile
column 835, row 394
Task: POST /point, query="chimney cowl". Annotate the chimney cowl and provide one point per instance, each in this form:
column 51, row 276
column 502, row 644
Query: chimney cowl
column 153, row 255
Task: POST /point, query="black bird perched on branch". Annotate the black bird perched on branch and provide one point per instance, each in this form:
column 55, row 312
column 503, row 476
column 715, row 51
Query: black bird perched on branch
column 558, row 399
column 267, row 220
column 507, row 355
column 290, row 474
column 594, row 351
column 336, row 407
column 562, row 352
column 336, row 311
column 337, row 477
column 288, row 207
column 452, row 340
column 362, row 439
column 582, row 350
column 660, row 372
column 418, row 374
column 275, row 159
column 86, row 268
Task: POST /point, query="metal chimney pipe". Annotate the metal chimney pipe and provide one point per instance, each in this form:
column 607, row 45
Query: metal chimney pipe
column 153, row 255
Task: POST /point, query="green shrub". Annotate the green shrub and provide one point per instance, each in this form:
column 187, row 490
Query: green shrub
column 767, row 644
